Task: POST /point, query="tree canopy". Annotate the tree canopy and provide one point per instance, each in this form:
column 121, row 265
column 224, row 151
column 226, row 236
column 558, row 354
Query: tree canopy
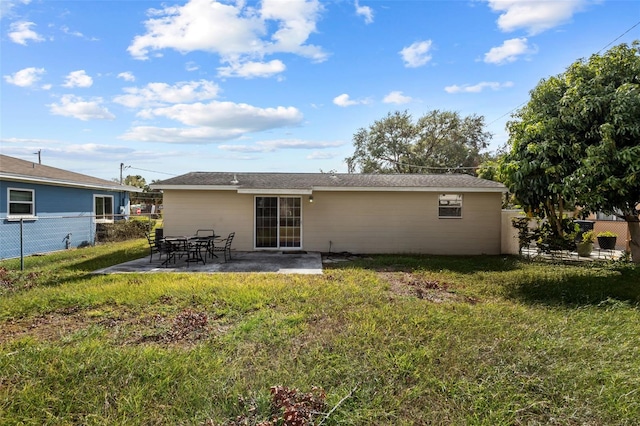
column 577, row 141
column 438, row 142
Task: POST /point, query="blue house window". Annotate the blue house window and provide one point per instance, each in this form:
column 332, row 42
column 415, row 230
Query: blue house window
column 21, row 202
column 103, row 208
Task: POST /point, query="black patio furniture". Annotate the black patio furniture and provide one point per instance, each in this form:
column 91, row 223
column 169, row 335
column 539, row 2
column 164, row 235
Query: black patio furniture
column 208, row 235
column 224, row 245
column 173, row 247
column 205, row 233
column 195, row 249
column 155, row 241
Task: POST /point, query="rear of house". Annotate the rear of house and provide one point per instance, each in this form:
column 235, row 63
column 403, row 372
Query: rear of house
column 44, row 209
column 358, row 213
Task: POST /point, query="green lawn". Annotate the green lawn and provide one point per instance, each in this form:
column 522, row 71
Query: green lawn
column 389, row 340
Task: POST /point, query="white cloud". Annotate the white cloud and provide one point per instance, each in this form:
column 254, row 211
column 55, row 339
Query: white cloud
column 280, row 144
column 296, row 21
column 344, row 101
column 158, row 94
column 396, row 97
column 229, row 115
column 535, row 16
column 77, row 107
column 417, row 54
column 78, row 79
column 238, row 32
column 212, row 122
column 252, row 69
column 318, row 155
column 477, row 88
column 21, row 33
column 509, row 51
column 180, row 135
column 127, row 76
column 67, row 31
column 191, row 66
column 26, row 77
column 365, row 11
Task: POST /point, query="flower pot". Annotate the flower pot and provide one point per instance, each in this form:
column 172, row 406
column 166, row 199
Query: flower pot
column 607, row 243
column 585, row 249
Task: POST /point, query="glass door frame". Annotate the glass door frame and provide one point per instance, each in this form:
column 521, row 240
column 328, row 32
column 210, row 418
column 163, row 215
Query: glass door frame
column 279, row 227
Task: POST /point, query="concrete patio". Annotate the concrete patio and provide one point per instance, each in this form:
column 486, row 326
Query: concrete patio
column 258, row 261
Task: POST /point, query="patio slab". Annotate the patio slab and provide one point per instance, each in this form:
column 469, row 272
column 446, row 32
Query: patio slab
column 258, row 261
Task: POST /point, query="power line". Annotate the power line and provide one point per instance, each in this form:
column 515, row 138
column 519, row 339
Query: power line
column 152, row 171
column 505, row 114
column 609, row 44
column 619, row 37
column 433, row 168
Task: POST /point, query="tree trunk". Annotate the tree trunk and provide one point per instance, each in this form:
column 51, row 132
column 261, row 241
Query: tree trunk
column 634, row 230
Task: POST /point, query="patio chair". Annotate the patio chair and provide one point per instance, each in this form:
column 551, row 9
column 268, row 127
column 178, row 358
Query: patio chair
column 208, row 236
column 205, row 233
column 226, row 247
column 172, row 250
column 154, row 245
column 195, row 251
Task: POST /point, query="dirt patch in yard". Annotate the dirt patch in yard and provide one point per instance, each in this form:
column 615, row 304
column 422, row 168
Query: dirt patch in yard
column 122, row 327
column 410, row 284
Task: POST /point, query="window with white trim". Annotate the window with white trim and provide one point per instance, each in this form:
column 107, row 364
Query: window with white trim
column 103, row 208
column 22, row 202
column 450, row 206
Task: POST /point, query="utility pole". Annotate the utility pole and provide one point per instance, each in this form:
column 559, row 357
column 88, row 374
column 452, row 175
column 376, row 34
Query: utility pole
column 39, row 156
column 122, row 168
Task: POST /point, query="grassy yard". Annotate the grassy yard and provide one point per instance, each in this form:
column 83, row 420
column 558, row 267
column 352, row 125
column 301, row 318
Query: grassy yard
column 383, row 340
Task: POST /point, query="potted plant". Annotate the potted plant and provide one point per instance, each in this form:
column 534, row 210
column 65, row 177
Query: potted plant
column 607, row 240
column 586, row 245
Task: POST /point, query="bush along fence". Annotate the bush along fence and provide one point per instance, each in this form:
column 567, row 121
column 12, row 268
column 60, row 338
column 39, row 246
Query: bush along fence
column 45, row 234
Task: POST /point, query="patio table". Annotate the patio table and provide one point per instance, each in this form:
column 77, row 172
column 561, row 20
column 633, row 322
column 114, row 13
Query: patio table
column 191, row 246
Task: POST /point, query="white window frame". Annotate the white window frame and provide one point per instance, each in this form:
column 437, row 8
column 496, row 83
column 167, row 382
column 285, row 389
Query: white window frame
column 103, row 217
column 450, row 203
column 32, row 203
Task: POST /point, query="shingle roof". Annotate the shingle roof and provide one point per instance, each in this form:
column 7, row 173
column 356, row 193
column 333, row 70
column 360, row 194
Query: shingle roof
column 26, row 171
column 327, row 181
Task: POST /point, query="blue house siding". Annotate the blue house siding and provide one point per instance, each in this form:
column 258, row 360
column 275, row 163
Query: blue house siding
column 64, row 218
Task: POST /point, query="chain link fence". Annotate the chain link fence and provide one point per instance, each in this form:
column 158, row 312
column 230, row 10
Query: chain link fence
column 45, row 234
column 618, row 227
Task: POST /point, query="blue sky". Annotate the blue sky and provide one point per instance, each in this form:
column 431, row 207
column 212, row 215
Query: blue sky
column 170, row 87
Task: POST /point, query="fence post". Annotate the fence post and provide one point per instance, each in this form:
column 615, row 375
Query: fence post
column 22, row 244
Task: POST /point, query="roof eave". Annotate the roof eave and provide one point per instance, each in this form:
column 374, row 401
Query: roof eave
column 308, row 191
column 55, row 182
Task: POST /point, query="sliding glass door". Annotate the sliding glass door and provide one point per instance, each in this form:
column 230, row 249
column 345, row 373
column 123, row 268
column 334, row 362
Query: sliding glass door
column 278, row 222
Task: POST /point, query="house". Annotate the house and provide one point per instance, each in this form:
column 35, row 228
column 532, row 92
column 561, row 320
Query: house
column 51, row 209
column 328, row 212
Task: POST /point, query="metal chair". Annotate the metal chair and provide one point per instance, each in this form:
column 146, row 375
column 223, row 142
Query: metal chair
column 207, row 235
column 154, row 245
column 226, row 247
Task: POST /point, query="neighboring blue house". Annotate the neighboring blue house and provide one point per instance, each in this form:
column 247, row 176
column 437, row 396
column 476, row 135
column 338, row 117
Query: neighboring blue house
column 51, row 209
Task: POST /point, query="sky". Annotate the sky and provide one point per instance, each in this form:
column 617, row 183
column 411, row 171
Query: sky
column 163, row 88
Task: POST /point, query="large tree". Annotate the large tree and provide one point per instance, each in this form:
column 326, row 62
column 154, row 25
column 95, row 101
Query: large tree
column 578, row 140
column 541, row 156
column 440, row 141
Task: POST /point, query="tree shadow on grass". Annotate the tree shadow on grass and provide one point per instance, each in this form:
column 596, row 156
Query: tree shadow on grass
column 418, row 262
column 617, row 284
column 108, row 259
column 550, row 284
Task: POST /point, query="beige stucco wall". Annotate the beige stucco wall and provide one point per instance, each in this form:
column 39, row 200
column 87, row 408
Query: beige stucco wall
column 357, row 222
column 510, row 243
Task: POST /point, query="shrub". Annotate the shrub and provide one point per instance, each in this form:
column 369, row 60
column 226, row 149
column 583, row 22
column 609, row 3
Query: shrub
column 122, row 230
column 588, row 237
column 607, row 234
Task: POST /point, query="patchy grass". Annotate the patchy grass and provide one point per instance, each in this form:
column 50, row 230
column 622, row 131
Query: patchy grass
column 380, row 340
